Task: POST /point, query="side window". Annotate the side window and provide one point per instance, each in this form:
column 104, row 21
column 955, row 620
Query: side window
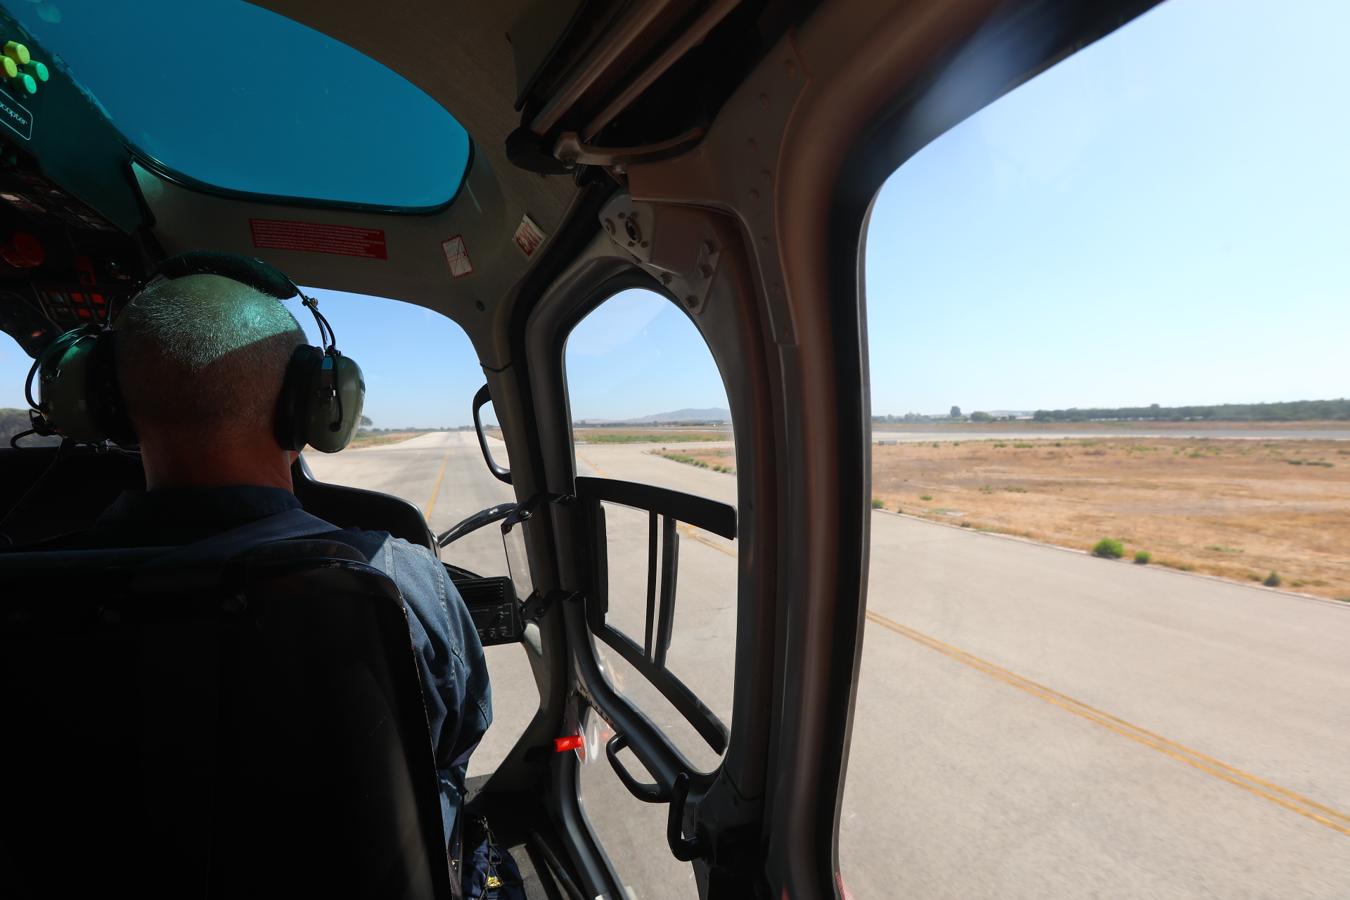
column 1106, row 616
column 14, row 366
column 649, row 407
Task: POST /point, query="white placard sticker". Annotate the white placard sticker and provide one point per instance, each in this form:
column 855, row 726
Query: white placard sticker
column 457, row 256
column 528, row 236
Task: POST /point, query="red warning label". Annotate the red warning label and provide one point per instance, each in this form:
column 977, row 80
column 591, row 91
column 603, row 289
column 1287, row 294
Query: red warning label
column 313, row 237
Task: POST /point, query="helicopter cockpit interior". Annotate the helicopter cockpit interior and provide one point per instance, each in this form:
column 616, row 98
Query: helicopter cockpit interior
column 190, row 731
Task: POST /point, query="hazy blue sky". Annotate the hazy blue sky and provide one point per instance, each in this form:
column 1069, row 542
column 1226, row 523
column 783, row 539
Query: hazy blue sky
column 638, row 354
column 1163, row 217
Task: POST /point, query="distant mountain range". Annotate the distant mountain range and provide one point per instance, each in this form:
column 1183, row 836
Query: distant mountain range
column 712, row 414
column 13, row 421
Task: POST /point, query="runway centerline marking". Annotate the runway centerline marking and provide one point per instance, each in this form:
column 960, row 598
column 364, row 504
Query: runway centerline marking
column 1280, row 796
column 696, row 534
column 598, row 471
column 436, row 490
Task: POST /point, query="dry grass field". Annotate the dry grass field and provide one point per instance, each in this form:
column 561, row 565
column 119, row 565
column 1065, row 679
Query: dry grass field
column 1239, row 509
column 651, row 435
column 632, row 434
column 1125, row 427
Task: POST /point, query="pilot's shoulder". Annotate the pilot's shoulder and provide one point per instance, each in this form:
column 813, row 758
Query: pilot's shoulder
column 385, row 551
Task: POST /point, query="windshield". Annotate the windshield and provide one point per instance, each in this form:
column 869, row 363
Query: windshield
column 238, row 98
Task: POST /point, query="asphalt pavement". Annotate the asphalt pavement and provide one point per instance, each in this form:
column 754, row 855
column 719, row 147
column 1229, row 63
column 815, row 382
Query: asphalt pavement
column 1031, row 721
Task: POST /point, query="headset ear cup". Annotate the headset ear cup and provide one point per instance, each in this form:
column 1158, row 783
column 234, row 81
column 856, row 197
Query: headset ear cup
column 63, row 386
column 296, row 388
column 339, row 395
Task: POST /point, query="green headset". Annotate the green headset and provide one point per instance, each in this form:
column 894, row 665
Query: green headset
column 79, row 398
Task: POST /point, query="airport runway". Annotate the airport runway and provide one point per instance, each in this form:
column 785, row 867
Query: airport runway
column 1031, row 721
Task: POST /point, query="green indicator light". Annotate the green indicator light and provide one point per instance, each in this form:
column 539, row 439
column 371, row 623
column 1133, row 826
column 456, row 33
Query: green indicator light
column 8, row 68
column 17, row 52
column 28, row 83
column 36, row 69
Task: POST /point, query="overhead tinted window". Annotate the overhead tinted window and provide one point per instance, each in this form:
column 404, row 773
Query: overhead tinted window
column 240, row 98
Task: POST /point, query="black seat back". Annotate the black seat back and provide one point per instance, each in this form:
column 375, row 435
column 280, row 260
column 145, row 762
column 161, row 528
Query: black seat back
column 44, row 494
column 266, row 738
column 52, row 495
column 351, row 507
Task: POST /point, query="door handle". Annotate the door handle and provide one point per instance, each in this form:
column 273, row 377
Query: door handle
column 647, row 793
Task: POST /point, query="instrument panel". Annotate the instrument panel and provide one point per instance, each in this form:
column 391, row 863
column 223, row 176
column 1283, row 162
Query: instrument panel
column 62, row 265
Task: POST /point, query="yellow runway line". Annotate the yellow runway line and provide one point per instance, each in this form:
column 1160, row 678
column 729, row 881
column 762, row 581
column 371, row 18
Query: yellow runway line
column 1280, row 796
column 598, row 471
column 697, row 534
column 436, row 491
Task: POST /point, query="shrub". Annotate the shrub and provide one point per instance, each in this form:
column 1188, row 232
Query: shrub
column 1272, row 580
column 1108, row 548
column 878, row 503
column 925, row 497
column 1143, row 558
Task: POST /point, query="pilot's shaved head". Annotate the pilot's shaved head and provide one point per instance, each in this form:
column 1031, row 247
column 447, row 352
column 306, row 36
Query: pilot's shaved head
column 203, row 356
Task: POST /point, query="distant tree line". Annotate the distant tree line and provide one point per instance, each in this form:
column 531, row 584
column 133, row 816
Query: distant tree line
column 1291, row 411
column 954, row 417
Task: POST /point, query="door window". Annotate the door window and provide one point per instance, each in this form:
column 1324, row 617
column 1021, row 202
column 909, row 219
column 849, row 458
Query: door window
column 1104, row 651
column 649, row 408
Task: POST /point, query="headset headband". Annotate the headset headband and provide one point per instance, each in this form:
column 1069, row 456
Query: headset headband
column 246, row 270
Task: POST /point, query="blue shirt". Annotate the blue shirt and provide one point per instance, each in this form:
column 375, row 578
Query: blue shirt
column 449, row 655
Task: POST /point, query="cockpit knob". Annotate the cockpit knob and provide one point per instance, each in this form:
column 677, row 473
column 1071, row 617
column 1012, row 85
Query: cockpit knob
column 17, row 52
column 23, row 251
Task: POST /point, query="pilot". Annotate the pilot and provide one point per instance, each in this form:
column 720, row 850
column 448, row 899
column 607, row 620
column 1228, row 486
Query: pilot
column 200, row 361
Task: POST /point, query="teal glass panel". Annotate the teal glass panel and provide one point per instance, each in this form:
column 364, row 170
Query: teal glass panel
column 239, row 98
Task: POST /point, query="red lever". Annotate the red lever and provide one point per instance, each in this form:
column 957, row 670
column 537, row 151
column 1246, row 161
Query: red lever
column 572, row 742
